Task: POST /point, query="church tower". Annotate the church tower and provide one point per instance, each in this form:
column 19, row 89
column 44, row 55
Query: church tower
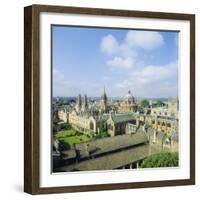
column 103, row 101
column 79, row 103
column 85, row 103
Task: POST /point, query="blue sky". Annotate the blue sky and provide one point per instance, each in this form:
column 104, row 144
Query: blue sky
column 87, row 59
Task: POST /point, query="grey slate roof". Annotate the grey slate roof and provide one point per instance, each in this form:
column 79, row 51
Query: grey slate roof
column 110, row 161
column 119, row 118
column 104, row 118
column 100, row 146
column 68, row 154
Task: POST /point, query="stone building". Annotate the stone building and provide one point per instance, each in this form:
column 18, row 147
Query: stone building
column 159, row 111
column 175, row 142
column 104, row 102
column 79, row 103
column 117, row 123
column 173, row 107
column 131, row 128
column 119, row 152
column 160, row 141
column 164, row 124
column 55, row 115
column 91, row 116
column 85, row 103
column 63, row 115
column 128, row 104
column 82, row 122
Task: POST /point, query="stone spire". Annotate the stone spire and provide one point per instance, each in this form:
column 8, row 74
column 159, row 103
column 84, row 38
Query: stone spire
column 103, row 101
column 79, row 102
column 104, row 96
column 85, row 103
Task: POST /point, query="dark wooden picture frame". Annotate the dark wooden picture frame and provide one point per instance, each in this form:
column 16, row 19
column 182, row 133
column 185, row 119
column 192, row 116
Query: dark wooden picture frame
column 32, row 96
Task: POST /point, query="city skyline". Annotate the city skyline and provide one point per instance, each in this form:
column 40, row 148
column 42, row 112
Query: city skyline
column 113, row 97
column 87, row 59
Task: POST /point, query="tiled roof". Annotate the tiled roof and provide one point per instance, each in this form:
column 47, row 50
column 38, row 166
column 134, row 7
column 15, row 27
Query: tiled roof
column 105, row 145
column 119, row 118
column 111, row 161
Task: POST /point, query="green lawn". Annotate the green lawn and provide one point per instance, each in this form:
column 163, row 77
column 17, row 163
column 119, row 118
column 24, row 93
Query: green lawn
column 66, row 133
column 71, row 136
column 75, row 139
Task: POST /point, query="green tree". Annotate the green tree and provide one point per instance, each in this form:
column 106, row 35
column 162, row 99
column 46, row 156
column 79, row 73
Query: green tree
column 144, row 103
column 102, row 130
column 159, row 103
column 166, row 159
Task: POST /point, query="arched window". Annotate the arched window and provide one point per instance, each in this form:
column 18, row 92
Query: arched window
column 110, row 127
column 92, row 126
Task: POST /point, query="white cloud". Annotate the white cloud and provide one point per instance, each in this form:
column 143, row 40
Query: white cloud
column 133, row 39
column 119, row 62
column 152, row 81
column 125, row 84
column 145, row 80
column 152, row 73
column 109, row 44
column 124, row 55
column 144, row 39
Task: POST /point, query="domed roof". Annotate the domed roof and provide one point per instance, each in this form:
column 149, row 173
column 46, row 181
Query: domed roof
column 129, row 97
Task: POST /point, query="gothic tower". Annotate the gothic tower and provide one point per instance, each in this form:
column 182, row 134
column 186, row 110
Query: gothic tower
column 103, row 101
column 85, row 103
column 79, row 103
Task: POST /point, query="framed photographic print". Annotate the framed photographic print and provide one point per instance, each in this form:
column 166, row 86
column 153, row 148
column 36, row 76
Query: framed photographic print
column 109, row 99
